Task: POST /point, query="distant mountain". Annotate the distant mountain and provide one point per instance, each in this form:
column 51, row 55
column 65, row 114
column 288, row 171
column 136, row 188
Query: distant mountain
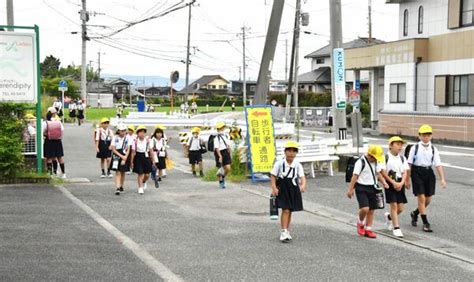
column 146, row 80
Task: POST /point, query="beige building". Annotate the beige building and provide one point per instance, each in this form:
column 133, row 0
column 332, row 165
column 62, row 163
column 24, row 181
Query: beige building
column 427, row 76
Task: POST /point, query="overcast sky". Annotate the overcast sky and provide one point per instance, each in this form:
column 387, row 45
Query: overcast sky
column 215, row 28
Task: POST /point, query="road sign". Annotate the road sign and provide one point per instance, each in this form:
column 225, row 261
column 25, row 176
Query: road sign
column 260, row 134
column 354, row 98
column 62, row 85
column 19, row 73
column 339, row 78
column 357, row 85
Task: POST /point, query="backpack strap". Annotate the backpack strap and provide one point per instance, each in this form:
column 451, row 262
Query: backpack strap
column 433, row 151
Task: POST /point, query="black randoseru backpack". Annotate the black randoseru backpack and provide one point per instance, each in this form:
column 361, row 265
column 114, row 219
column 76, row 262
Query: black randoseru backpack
column 350, row 167
column 210, row 143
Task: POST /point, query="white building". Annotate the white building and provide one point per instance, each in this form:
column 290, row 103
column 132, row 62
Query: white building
column 427, row 76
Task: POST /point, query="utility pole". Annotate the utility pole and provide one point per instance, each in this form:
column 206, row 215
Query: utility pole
column 98, row 80
column 240, row 73
column 292, row 62
column 268, row 55
column 286, row 58
column 84, row 18
column 188, row 49
column 339, row 115
column 370, row 22
column 244, row 59
column 10, row 17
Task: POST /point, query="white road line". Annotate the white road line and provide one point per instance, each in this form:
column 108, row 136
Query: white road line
column 457, row 167
column 460, row 148
column 160, row 269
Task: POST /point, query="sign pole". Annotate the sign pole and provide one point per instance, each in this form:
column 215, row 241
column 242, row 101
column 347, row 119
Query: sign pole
column 62, row 100
column 39, row 131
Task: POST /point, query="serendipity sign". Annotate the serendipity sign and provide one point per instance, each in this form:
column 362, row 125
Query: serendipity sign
column 261, row 138
column 18, row 68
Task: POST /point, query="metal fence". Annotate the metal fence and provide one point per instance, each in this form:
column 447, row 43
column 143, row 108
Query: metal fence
column 309, row 116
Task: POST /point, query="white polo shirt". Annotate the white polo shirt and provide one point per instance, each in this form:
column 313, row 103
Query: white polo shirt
column 121, row 143
column 424, row 156
column 221, row 141
column 141, row 146
column 194, row 143
column 281, row 169
column 396, row 163
column 365, row 175
column 104, row 134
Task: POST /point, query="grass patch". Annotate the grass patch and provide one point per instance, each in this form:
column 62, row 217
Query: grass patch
column 237, row 174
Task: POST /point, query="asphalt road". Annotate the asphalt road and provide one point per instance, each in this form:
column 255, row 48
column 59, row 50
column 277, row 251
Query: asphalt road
column 191, row 230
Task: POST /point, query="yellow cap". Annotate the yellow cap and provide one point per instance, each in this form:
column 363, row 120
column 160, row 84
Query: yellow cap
column 292, row 144
column 141, row 127
column 30, row 116
column 104, row 120
column 396, row 139
column 425, row 128
column 131, row 127
column 196, row 130
column 376, row 151
column 160, row 126
column 220, row 125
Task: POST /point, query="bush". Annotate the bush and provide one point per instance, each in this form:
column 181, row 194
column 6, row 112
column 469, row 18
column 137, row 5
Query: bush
column 11, row 139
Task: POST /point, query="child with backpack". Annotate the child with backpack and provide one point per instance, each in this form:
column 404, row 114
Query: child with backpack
column 422, row 157
column 159, row 154
column 288, row 182
column 221, row 148
column 395, row 174
column 131, row 136
column 121, row 157
column 141, row 161
column 368, row 192
column 53, row 146
column 196, row 148
column 103, row 140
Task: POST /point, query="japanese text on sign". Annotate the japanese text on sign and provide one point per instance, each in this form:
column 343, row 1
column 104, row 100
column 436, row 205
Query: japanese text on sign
column 261, row 138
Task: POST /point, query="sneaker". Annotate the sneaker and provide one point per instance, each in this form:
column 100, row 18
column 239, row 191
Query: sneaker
column 427, row 228
column 397, row 233
column 370, row 234
column 388, row 222
column 288, row 236
column 194, row 173
column 117, row 191
column 222, row 184
column 201, row 173
column 360, row 229
column 157, row 183
column 414, row 219
column 145, row 186
column 128, row 172
column 284, row 236
column 64, row 176
column 103, row 175
column 141, row 191
column 121, row 189
column 109, row 175
column 159, row 178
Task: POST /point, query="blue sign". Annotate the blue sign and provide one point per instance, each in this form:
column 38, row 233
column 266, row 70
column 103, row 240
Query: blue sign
column 63, row 83
column 357, row 85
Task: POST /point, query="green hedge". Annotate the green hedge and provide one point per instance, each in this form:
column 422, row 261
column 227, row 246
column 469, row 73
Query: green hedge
column 11, row 139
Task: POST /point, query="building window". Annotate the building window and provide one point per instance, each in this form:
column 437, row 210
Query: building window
column 467, row 12
column 397, row 93
column 420, row 20
column 405, row 22
column 252, row 88
column 460, row 89
column 320, row 61
column 212, row 86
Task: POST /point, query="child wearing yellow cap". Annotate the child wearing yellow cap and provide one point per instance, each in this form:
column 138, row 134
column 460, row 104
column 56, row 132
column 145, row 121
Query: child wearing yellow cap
column 423, row 156
column 195, row 146
column 103, row 140
column 222, row 153
column 288, row 182
column 395, row 173
column 368, row 192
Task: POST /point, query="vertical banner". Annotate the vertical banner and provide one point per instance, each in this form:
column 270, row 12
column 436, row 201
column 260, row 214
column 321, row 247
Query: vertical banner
column 261, row 138
column 18, row 75
column 339, row 78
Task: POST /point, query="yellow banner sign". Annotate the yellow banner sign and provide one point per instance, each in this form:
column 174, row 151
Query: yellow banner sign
column 261, row 138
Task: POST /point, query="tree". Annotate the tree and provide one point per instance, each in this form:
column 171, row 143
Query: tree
column 50, row 87
column 50, row 67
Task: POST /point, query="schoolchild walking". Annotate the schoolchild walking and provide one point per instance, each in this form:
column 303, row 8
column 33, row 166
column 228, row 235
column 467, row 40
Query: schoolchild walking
column 131, row 136
column 195, row 148
column 72, row 111
column 423, row 156
column 141, row 158
column 288, row 182
column 121, row 154
column 159, row 154
column 80, row 113
column 368, row 193
column 395, row 174
column 222, row 153
column 103, row 140
column 53, row 146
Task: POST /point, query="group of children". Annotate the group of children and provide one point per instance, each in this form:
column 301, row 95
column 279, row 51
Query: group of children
column 376, row 178
column 131, row 150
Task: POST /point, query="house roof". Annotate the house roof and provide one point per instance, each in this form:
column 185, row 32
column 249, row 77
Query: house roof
column 320, row 75
column 359, row 42
column 118, row 81
column 204, row 80
column 242, row 82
